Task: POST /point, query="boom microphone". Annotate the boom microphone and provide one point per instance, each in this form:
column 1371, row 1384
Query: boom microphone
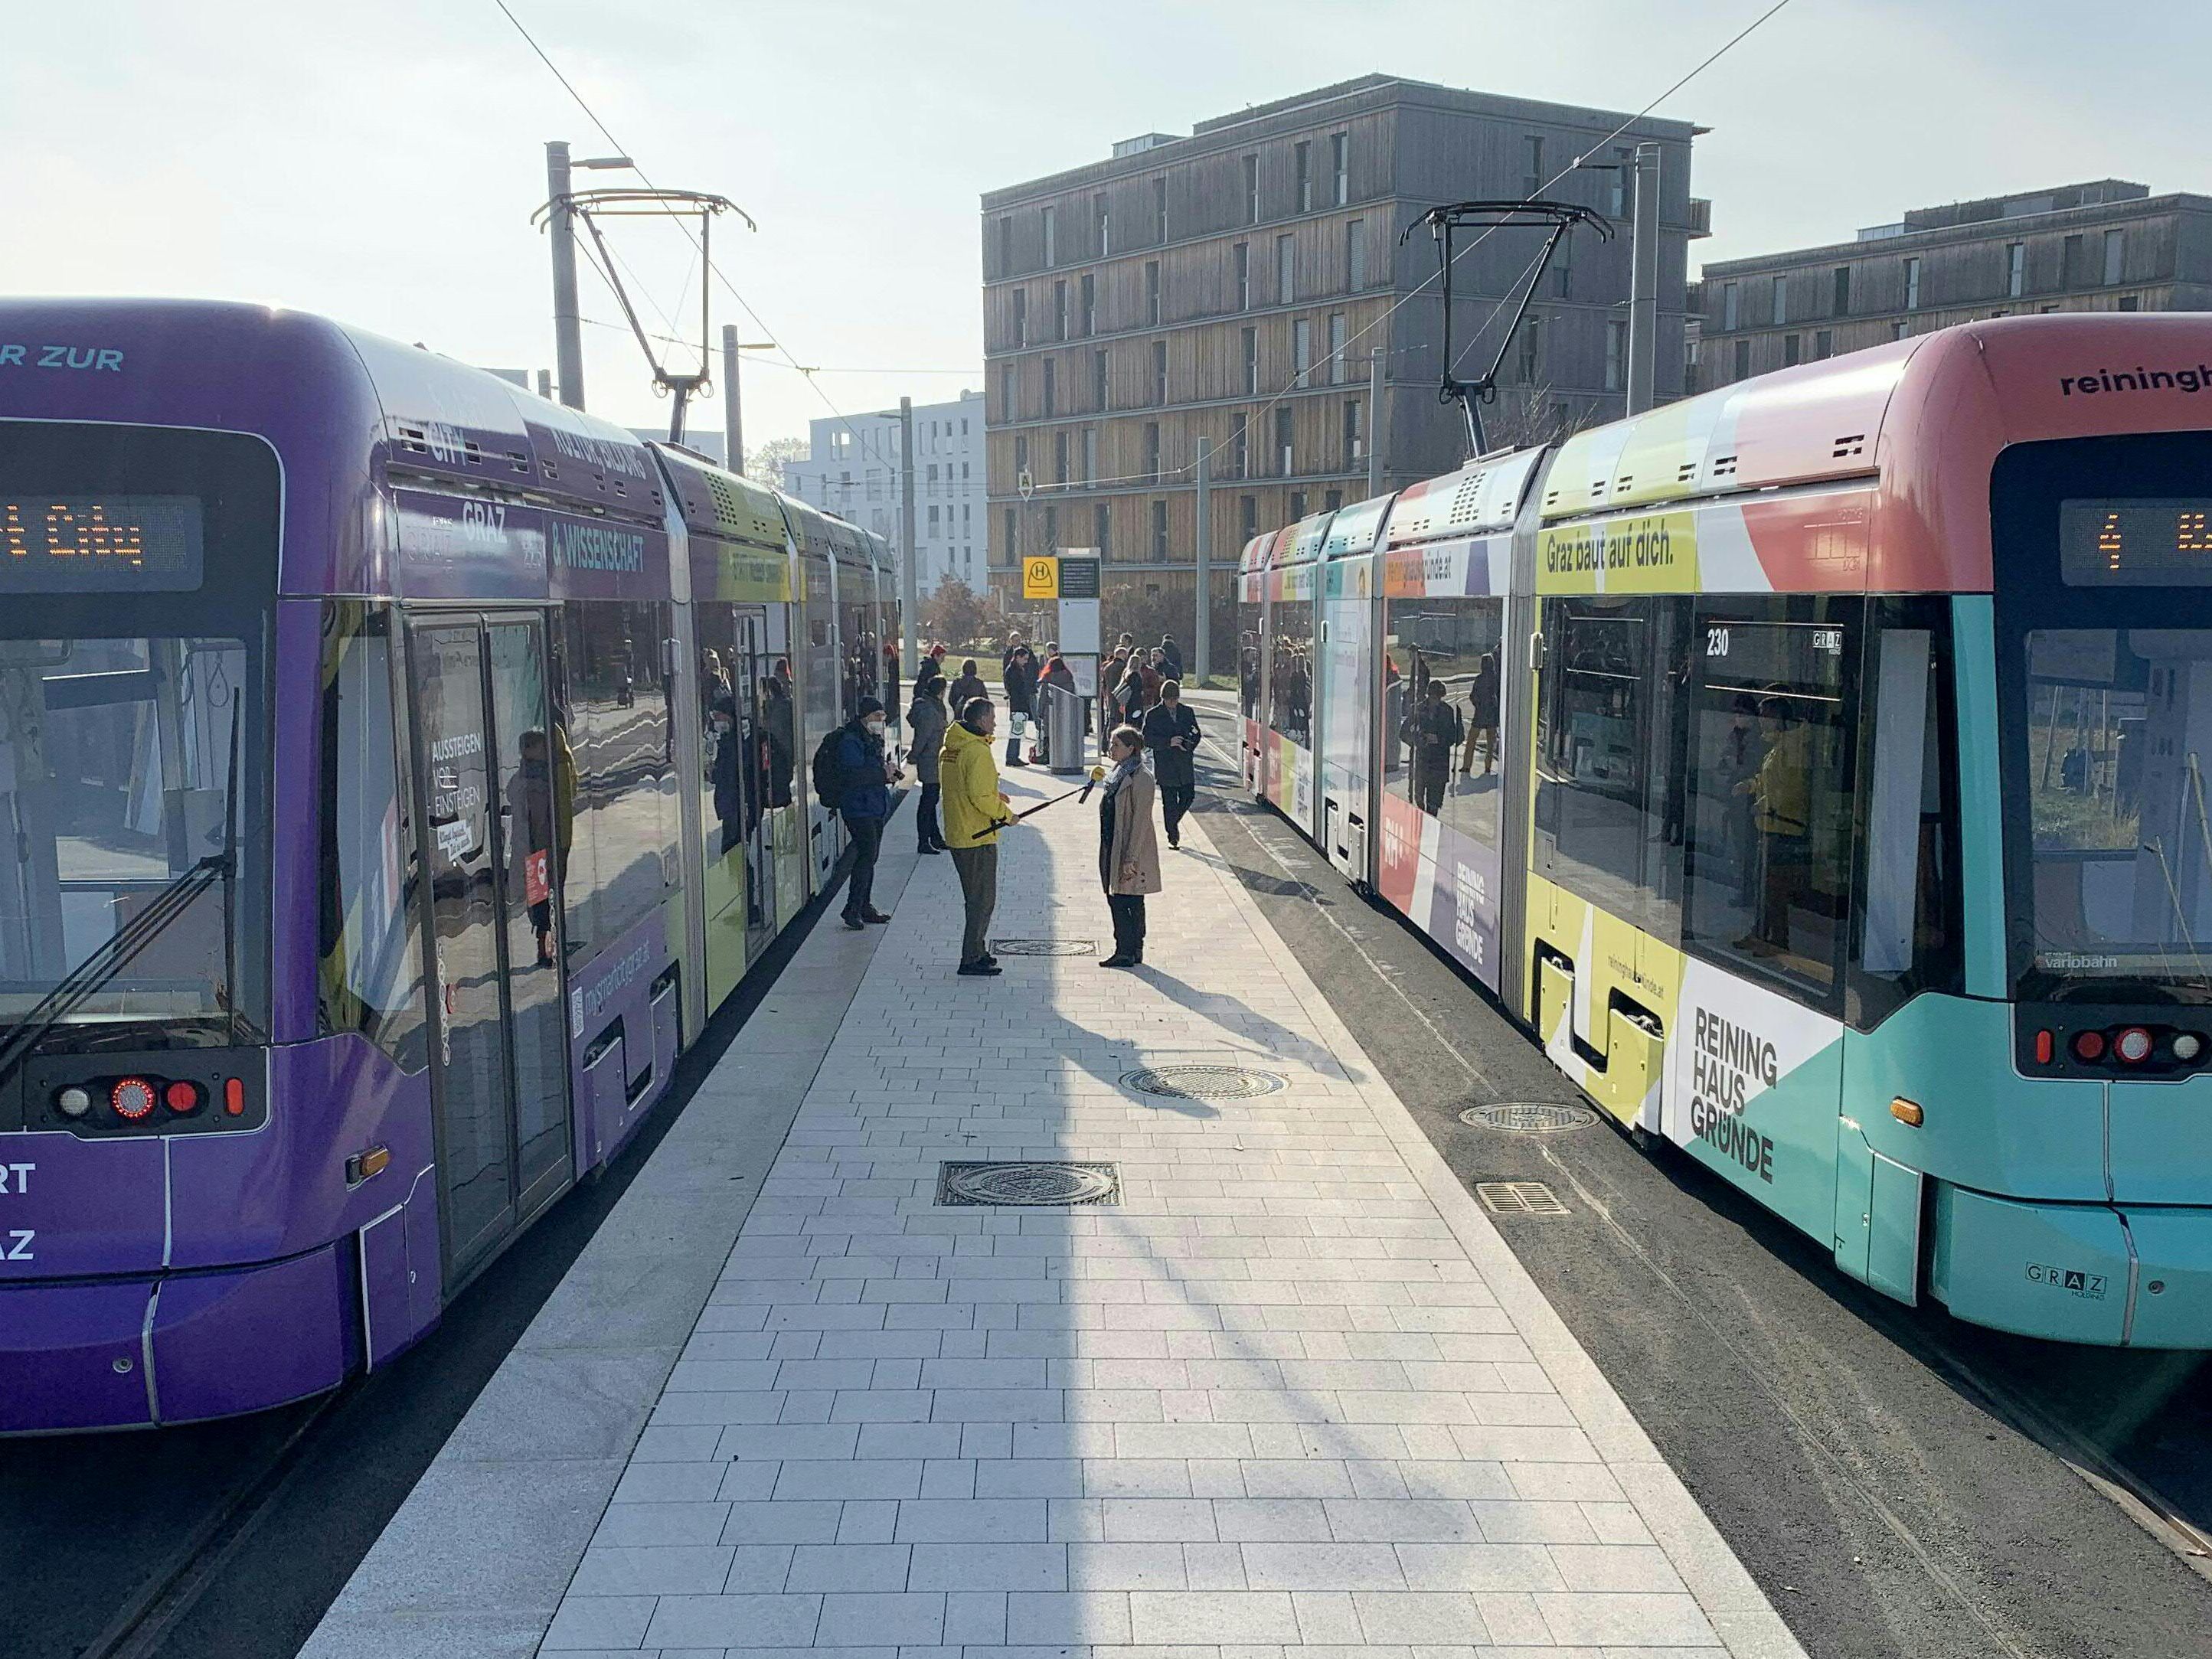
column 1097, row 772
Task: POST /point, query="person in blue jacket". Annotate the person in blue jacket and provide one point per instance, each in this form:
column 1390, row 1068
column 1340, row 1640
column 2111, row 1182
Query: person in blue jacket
column 866, row 802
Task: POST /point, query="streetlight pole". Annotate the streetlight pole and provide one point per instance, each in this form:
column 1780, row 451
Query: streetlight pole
column 733, row 422
column 1374, row 421
column 1202, row 633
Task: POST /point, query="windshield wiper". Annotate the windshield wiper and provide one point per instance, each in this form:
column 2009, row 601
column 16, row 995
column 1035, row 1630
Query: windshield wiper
column 86, row 980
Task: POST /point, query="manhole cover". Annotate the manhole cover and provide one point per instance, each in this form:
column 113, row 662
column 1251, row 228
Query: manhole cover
column 1519, row 1198
column 1528, row 1117
column 1044, row 947
column 1203, row 1082
column 1028, row 1183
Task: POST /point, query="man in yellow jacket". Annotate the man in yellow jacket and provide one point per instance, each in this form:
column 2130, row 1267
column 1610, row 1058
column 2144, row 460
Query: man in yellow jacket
column 974, row 812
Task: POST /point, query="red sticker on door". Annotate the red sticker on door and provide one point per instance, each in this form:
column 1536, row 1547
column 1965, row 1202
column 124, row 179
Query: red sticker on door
column 534, row 880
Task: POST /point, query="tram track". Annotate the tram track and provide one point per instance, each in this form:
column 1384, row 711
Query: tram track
column 1897, row 1482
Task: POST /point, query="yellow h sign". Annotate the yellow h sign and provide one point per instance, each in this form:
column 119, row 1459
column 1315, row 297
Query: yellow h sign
column 1040, row 578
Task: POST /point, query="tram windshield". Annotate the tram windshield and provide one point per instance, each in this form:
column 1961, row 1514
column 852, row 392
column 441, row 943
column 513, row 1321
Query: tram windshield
column 136, row 571
column 2118, row 726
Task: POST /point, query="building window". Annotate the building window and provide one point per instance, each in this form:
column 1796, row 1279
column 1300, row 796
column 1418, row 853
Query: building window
column 1900, row 328
column 1727, row 304
column 1824, row 344
column 1240, row 455
column 1059, row 310
column 1099, row 379
column 1060, row 458
column 1623, row 167
column 2069, row 262
column 1021, row 457
column 1051, row 526
column 1159, row 371
column 2131, row 302
column 1301, row 352
column 1283, row 270
column 1021, row 317
column 1102, row 527
column 1532, row 349
column 2016, row 269
column 2116, row 254
column 1616, row 355
column 1089, row 453
column 1051, row 242
column 1240, row 259
column 1298, row 505
column 1051, row 391
column 1793, row 348
column 1303, row 153
column 1248, row 517
column 1355, row 255
column 1355, row 435
column 1339, row 158
column 1251, row 190
column 1331, row 500
column 1160, row 531
column 1151, row 293
column 1563, row 269
column 1283, row 451
column 1160, row 204
column 1006, row 245
column 1251, row 362
column 1336, row 338
column 1781, row 311
column 1090, row 304
column 1843, row 306
column 1532, row 182
column 1743, row 360
column 1006, row 391
column 932, row 524
column 1006, row 536
column 1153, row 451
column 1912, row 284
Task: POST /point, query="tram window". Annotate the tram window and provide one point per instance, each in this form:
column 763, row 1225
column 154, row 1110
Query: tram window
column 1906, row 912
column 1594, row 749
column 1289, row 672
column 615, row 783
column 371, row 962
column 1769, row 817
column 1444, row 754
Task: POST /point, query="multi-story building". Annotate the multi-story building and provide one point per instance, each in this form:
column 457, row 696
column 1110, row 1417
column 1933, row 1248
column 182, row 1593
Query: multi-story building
column 852, row 468
column 2105, row 245
column 1232, row 284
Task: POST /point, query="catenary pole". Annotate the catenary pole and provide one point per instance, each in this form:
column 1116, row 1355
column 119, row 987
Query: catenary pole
column 733, row 424
column 1374, row 421
column 1202, row 630
column 909, row 580
column 567, row 318
column 1644, row 283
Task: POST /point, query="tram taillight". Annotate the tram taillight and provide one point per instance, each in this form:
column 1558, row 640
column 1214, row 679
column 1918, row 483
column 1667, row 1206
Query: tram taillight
column 133, row 1099
column 181, row 1097
column 2089, row 1045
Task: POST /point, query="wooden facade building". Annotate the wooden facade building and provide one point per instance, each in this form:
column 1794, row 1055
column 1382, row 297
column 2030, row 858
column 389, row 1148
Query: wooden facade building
column 1233, row 285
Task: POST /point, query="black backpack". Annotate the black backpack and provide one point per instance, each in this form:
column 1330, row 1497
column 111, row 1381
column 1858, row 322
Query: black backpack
column 829, row 771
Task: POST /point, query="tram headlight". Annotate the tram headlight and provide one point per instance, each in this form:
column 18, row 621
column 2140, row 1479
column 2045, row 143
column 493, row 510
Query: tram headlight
column 2133, row 1045
column 73, row 1101
column 2188, row 1045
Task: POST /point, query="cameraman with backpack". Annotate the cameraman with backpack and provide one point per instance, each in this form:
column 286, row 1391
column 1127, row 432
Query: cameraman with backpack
column 853, row 776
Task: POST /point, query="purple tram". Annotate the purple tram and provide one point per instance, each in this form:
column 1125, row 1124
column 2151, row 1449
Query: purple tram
column 399, row 769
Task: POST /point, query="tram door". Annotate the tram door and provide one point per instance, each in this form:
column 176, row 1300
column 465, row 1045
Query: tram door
column 495, row 774
column 765, row 777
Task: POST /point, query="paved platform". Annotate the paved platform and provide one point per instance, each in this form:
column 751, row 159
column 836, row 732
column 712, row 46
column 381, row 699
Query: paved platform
column 1291, row 1392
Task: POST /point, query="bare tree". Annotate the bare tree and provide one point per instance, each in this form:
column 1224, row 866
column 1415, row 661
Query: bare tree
column 1528, row 414
column 765, row 463
column 955, row 613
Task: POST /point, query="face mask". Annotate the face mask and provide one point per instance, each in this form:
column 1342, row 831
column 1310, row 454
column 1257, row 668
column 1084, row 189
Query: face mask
column 875, row 728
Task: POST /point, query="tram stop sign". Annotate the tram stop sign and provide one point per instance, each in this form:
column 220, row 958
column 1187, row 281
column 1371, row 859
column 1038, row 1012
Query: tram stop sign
column 1041, row 577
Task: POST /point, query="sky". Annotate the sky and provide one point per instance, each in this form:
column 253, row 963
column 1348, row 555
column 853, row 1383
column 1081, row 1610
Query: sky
column 380, row 163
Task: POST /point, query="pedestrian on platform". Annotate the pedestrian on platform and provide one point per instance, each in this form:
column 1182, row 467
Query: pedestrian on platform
column 1020, row 679
column 1058, row 680
column 925, row 721
column 1172, row 656
column 1171, row 734
column 1128, row 851
column 974, row 812
column 969, row 685
column 864, row 799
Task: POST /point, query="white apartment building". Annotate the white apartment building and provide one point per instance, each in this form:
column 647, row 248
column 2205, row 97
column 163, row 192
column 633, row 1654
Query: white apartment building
column 853, row 470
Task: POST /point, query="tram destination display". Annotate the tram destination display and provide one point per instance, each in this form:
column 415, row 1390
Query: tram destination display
column 100, row 543
column 2135, row 542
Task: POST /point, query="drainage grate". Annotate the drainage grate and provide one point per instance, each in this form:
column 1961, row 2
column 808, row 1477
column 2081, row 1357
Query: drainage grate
column 1028, row 1184
column 1528, row 1117
column 1518, row 1198
column 1203, row 1082
column 1044, row 947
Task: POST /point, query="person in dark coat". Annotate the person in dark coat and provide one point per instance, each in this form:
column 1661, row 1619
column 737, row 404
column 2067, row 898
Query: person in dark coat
column 1437, row 732
column 729, row 795
column 1020, row 678
column 1060, row 679
column 864, row 801
column 925, row 721
column 1482, row 726
column 967, row 685
column 780, row 720
column 1171, row 734
column 1171, row 656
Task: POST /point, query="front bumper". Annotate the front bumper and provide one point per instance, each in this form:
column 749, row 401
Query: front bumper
column 2134, row 1276
column 134, row 1352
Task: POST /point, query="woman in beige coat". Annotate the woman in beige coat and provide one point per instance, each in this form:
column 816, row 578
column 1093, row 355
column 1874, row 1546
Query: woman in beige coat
column 1129, row 848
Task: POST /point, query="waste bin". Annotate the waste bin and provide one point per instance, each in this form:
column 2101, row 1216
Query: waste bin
column 1063, row 729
